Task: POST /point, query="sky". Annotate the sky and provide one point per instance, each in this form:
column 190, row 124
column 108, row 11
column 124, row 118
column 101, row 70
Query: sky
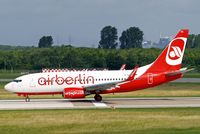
column 79, row 22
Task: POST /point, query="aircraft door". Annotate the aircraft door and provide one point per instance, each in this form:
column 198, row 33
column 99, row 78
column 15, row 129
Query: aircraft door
column 32, row 83
column 150, row 78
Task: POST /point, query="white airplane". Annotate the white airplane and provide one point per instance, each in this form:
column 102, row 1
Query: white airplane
column 78, row 84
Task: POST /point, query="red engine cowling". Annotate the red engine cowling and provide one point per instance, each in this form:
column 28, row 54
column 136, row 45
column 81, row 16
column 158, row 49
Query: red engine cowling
column 74, row 93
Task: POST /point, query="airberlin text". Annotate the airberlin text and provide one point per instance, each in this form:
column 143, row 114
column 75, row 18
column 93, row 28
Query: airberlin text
column 79, row 79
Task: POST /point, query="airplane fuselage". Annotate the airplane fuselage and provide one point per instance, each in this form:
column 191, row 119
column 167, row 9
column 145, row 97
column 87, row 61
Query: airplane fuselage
column 56, row 82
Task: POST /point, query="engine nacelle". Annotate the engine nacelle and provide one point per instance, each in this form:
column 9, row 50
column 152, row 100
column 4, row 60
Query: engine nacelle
column 74, row 93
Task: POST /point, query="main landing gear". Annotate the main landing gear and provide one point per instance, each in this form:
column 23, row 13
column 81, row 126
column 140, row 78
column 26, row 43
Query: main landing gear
column 27, row 99
column 98, row 97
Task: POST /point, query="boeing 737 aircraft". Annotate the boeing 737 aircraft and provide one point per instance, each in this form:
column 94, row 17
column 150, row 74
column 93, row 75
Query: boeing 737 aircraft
column 78, row 84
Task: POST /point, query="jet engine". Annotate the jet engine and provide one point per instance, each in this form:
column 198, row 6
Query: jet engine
column 74, row 93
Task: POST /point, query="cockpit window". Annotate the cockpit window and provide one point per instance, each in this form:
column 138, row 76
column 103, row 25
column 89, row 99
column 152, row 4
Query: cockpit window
column 17, row 81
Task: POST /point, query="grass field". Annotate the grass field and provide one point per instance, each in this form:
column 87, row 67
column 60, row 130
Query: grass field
column 102, row 121
column 192, row 75
column 166, row 90
column 9, row 75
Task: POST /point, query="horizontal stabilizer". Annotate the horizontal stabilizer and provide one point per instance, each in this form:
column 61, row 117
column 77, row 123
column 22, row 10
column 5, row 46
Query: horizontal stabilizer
column 181, row 71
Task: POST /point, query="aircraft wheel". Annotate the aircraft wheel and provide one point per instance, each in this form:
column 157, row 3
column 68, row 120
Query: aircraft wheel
column 27, row 99
column 98, row 97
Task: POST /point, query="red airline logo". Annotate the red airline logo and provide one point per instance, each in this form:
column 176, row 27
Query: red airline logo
column 68, row 80
column 175, row 51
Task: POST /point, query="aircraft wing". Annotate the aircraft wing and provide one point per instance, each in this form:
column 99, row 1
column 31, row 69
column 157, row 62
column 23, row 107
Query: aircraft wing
column 102, row 86
column 181, row 71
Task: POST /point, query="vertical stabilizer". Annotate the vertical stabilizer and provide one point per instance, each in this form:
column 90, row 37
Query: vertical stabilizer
column 171, row 57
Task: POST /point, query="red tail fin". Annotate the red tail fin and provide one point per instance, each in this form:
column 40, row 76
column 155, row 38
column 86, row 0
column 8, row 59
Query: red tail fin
column 171, row 57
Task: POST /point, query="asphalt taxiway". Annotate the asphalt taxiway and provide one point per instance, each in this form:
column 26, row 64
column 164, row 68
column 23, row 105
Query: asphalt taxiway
column 106, row 103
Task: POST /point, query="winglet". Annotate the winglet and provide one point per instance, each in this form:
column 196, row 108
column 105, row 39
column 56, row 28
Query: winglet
column 133, row 73
column 123, row 67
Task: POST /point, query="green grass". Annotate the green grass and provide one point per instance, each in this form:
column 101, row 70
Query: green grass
column 192, row 75
column 2, row 84
column 9, row 75
column 102, row 121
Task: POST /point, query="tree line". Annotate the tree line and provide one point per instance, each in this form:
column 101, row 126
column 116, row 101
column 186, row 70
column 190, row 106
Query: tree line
column 70, row 57
column 130, row 38
column 193, row 41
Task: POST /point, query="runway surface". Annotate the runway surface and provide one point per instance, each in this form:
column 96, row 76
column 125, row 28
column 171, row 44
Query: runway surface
column 188, row 80
column 106, row 103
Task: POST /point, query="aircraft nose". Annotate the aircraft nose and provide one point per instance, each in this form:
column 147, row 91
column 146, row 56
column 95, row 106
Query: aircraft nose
column 8, row 87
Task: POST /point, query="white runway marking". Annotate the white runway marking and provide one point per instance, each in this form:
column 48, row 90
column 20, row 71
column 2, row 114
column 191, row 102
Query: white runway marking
column 99, row 104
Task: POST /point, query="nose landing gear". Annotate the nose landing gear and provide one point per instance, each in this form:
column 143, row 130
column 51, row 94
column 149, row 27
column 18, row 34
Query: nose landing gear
column 98, row 97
